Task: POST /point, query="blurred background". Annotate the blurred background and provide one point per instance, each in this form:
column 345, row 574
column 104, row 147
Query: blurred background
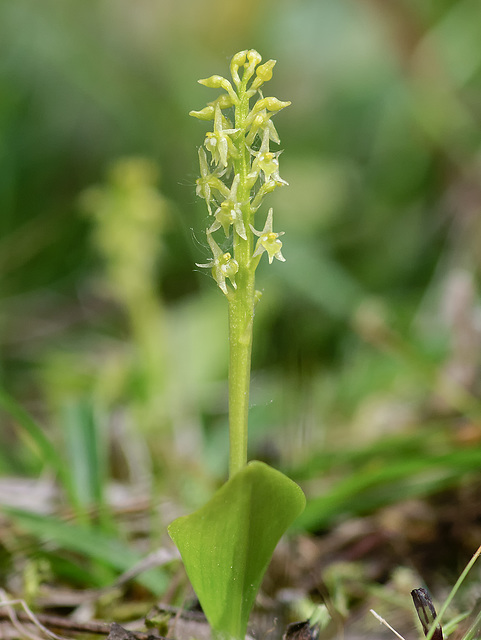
column 367, row 341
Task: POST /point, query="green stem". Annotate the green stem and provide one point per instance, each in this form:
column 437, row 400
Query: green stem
column 241, row 314
column 241, row 306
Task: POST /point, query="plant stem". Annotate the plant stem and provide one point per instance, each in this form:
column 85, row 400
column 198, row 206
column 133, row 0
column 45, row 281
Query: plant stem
column 241, row 314
column 241, row 305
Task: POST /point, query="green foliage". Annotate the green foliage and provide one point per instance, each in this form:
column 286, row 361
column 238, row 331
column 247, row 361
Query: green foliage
column 85, row 448
column 106, row 555
column 43, row 447
column 227, row 544
column 392, row 469
column 79, row 464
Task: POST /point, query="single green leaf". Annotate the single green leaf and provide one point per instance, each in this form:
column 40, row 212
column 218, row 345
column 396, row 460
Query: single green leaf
column 86, row 451
column 227, row 544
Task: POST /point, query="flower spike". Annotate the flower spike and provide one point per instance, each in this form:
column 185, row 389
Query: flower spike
column 238, row 169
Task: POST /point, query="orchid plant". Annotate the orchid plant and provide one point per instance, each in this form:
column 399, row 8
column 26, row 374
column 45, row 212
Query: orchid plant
column 227, row 544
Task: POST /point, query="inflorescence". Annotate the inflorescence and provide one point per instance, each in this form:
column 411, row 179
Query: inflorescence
column 238, row 169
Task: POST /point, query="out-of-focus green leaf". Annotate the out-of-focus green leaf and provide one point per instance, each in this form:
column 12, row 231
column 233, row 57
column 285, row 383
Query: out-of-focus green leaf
column 381, row 482
column 86, row 453
column 48, row 453
column 89, row 543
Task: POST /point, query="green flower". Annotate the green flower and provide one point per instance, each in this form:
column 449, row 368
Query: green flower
column 223, row 265
column 218, row 142
column 208, row 181
column 268, row 241
column 229, row 213
column 267, row 162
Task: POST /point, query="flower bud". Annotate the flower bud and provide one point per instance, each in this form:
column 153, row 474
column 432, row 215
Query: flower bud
column 273, row 104
column 263, row 74
column 213, row 82
column 264, row 71
column 254, row 57
column 217, row 82
column 237, row 61
column 207, row 113
column 239, row 58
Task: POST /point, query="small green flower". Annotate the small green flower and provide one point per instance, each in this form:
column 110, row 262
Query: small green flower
column 267, row 162
column 268, row 240
column 218, row 142
column 229, row 213
column 223, row 265
column 208, row 181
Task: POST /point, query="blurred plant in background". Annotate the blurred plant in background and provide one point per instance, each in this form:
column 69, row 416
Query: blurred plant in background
column 128, row 216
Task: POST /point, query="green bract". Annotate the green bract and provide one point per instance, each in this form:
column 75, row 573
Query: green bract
column 226, row 546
